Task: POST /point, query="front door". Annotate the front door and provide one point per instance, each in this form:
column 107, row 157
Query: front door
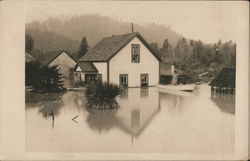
column 123, row 80
column 144, row 80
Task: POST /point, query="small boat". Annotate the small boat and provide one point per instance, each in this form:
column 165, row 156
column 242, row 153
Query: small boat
column 179, row 87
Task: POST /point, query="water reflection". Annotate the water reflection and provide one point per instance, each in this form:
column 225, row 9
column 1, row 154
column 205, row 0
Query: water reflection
column 49, row 104
column 144, row 92
column 175, row 104
column 225, row 101
column 51, row 108
column 136, row 112
column 176, row 121
column 79, row 100
column 124, row 93
column 130, row 118
column 101, row 121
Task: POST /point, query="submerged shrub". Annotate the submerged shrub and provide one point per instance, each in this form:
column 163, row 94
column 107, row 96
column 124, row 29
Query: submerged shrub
column 102, row 95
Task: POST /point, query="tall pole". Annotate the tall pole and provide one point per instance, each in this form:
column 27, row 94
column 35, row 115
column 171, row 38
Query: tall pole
column 132, row 27
column 216, row 57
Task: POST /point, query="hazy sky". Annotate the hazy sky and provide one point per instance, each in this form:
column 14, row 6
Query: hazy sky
column 208, row 21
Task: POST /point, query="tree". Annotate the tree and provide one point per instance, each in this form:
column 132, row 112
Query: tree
column 156, row 48
column 43, row 78
column 181, row 49
column 29, row 43
column 198, row 51
column 191, row 43
column 83, row 49
column 166, row 50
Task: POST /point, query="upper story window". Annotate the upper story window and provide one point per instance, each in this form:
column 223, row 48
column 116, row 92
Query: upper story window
column 135, row 52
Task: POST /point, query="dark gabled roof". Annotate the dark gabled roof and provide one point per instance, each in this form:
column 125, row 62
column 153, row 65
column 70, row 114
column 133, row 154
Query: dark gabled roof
column 86, row 67
column 29, row 58
column 47, row 58
column 105, row 49
column 225, row 78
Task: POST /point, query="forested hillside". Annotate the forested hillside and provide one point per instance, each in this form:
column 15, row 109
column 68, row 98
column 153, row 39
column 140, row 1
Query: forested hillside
column 193, row 56
column 96, row 27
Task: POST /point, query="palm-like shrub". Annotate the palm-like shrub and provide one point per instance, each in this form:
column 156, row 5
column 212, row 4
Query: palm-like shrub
column 102, row 95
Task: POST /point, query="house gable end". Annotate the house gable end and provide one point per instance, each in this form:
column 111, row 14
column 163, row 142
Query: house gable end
column 63, row 53
column 143, row 41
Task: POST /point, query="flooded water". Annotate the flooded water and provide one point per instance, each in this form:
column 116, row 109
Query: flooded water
column 148, row 120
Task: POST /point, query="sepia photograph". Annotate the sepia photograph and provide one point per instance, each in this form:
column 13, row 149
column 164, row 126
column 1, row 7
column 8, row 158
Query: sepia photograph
column 132, row 77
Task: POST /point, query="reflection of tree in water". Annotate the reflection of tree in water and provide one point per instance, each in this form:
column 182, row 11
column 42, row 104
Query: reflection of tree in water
column 48, row 103
column 51, row 108
column 102, row 120
column 226, row 102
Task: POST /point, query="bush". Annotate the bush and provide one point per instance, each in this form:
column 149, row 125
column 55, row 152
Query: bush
column 186, row 78
column 43, row 78
column 165, row 79
column 102, row 95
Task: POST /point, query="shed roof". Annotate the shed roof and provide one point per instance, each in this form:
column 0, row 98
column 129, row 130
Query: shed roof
column 225, row 78
column 29, row 58
column 86, row 67
column 105, row 49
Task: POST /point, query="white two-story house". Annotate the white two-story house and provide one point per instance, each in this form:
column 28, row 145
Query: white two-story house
column 126, row 60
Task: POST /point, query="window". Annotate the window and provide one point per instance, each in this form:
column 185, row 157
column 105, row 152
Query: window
column 144, row 79
column 124, row 80
column 135, row 52
column 90, row 77
column 99, row 77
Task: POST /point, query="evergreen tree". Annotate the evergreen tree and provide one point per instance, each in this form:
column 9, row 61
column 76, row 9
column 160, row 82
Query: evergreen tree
column 181, row 49
column 43, row 78
column 156, row 48
column 198, row 51
column 83, row 49
column 166, row 50
column 29, row 43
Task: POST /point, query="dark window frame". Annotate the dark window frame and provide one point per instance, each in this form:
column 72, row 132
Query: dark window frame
column 144, row 76
column 121, row 79
column 135, row 54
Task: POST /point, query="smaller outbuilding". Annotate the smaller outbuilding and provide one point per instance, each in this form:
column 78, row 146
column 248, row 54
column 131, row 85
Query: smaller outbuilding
column 65, row 62
column 224, row 81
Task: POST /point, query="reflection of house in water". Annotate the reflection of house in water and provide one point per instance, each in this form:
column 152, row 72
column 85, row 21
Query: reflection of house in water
column 137, row 111
column 124, row 94
column 144, row 92
column 135, row 120
column 226, row 102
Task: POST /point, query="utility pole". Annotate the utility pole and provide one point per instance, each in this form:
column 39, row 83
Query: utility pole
column 216, row 57
column 132, row 27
